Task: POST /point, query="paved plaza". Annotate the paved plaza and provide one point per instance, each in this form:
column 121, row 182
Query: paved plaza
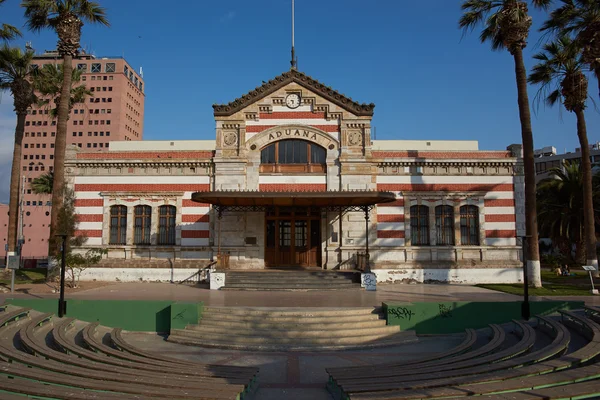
column 331, row 298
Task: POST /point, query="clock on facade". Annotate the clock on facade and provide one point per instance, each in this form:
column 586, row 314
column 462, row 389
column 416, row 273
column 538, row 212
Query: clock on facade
column 292, row 100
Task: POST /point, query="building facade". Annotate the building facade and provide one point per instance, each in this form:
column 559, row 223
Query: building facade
column 548, row 158
column 285, row 184
column 114, row 112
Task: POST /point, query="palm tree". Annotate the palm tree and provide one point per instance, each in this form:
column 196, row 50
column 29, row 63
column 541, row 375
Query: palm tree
column 66, row 18
column 8, row 32
column 560, row 74
column 43, row 183
column 561, row 210
column 580, row 18
column 15, row 75
column 48, row 84
column 506, row 25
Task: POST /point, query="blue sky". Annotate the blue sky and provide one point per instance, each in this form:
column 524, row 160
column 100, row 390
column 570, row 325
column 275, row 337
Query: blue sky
column 409, row 58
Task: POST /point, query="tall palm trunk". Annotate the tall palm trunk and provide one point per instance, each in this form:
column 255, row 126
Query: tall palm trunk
column 531, row 226
column 60, row 145
column 589, row 229
column 15, row 184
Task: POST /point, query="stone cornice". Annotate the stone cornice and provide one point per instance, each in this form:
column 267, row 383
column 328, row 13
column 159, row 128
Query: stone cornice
column 408, row 162
column 139, row 163
column 146, row 195
column 225, row 110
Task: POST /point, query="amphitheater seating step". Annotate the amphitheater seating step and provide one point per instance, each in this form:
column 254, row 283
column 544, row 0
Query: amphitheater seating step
column 291, row 329
column 57, row 358
column 518, row 369
column 291, row 280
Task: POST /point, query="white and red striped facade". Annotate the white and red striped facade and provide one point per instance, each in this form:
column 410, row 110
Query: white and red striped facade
column 429, row 174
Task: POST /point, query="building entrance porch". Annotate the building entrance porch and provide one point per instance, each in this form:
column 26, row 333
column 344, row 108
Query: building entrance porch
column 293, row 222
column 292, row 237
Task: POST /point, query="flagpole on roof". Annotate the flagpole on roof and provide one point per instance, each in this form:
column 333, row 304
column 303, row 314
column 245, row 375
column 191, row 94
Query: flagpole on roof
column 294, row 60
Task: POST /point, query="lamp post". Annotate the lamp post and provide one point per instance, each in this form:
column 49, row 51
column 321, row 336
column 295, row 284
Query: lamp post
column 62, row 305
column 525, row 309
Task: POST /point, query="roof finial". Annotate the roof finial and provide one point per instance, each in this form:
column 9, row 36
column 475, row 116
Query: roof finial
column 294, row 61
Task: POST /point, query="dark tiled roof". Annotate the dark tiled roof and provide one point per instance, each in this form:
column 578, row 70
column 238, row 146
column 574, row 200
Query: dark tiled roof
column 301, row 79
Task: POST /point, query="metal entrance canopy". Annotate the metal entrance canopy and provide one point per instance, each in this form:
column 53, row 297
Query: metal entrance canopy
column 346, row 200
column 341, row 201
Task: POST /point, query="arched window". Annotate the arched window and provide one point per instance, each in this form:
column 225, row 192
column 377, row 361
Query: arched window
column 293, row 155
column 118, row 225
column 166, row 225
column 142, row 224
column 444, row 225
column 419, row 225
column 469, row 225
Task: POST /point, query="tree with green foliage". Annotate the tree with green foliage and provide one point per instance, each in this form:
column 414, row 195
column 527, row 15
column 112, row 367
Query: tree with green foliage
column 560, row 76
column 581, row 19
column 561, row 208
column 506, row 25
column 67, row 223
column 43, row 183
column 15, row 76
column 48, row 85
column 66, row 18
column 8, row 32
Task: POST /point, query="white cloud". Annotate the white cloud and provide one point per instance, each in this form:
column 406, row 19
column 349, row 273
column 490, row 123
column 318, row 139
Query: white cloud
column 8, row 121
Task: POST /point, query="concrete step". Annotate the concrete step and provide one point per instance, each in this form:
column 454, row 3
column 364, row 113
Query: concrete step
column 301, row 333
column 210, row 319
column 292, row 325
column 288, row 275
column 295, row 286
column 280, row 340
column 392, row 340
column 291, row 311
column 259, row 281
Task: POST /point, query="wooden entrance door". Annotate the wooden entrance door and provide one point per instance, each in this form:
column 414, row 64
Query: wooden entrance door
column 293, row 238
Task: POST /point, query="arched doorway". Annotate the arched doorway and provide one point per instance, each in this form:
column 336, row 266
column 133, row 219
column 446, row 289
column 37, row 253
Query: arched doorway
column 293, row 234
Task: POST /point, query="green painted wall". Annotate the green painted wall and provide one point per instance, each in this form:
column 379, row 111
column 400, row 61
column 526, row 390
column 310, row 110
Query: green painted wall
column 452, row 317
column 148, row 316
column 183, row 314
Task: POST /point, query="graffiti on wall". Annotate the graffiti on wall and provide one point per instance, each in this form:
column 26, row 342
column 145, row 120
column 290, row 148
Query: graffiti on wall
column 402, row 313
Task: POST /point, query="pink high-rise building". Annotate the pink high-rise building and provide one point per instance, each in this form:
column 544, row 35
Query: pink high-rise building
column 115, row 112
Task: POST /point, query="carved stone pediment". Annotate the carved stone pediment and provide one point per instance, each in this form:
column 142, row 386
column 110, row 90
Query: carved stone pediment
column 267, row 88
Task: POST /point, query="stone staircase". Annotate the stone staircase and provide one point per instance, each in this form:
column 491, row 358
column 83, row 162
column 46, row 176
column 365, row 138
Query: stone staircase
column 290, row 280
column 291, row 329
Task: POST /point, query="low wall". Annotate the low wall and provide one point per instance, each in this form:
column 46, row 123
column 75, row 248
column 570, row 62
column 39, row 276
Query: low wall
column 450, row 275
column 453, row 317
column 137, row 274
column 133, row 315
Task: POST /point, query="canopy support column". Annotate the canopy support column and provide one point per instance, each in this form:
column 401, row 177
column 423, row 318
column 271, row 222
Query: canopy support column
column 367, row 210
column 219, row 217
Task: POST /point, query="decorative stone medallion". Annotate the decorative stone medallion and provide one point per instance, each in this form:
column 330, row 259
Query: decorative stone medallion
column 229, row 139
column 354, row 138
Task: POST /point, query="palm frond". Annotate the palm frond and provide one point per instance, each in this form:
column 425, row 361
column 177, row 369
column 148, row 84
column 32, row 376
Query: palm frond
column 9, row 32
